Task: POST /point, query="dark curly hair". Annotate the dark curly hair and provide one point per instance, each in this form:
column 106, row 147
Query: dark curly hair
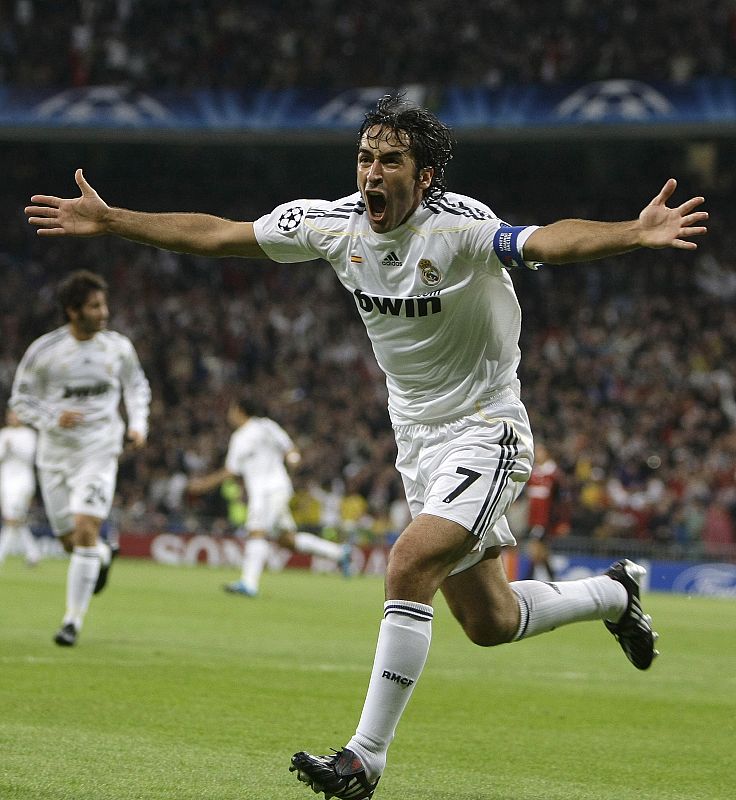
column 74, row 290
column 430, row 141
column 248, row 405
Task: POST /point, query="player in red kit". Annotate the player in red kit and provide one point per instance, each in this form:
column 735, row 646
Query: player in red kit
column 543, row 495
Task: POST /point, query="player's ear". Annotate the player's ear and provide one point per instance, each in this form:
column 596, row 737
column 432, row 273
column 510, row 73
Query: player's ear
column 425, row 177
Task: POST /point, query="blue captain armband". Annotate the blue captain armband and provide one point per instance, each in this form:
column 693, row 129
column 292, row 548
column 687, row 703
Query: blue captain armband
column 505, row 245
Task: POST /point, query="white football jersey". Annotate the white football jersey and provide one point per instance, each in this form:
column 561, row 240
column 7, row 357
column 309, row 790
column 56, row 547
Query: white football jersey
column 438, row 304
column 256, row 453
column 60, row 373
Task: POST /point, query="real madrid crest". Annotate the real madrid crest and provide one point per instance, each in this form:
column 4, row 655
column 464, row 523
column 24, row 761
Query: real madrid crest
column 430, row 275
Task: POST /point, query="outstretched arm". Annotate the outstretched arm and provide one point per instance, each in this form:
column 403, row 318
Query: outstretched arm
column 206, row 483
column 658, row 226
column 90, row 215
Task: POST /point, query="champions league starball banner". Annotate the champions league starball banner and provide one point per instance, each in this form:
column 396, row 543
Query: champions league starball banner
column 708, row 104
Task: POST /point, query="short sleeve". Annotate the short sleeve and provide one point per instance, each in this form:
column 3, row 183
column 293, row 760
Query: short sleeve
column 493, row 241
column 283, row 234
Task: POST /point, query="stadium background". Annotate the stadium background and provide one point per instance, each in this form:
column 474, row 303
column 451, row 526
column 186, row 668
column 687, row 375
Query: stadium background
column 627, row 365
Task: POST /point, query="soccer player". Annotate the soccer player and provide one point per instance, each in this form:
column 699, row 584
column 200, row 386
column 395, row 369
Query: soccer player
column 17, row 487
column 256, row 452
column 68, row 386
column 428, row 270
column 542, row 491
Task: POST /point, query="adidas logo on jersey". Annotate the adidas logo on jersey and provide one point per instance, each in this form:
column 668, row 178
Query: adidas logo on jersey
column 392, row 260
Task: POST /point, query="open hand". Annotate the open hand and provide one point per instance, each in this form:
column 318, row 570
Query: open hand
column 78, row 216
column 662, row 226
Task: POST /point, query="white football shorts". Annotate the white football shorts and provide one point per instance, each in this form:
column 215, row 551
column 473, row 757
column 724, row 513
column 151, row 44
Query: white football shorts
column 469, row 470
column 88, row 489
column 16, row 495
column 268, row 510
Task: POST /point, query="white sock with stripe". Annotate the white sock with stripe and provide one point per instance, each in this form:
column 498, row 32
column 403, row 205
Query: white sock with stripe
column 81, row 577
column 546, row 606
column 317, row 546
column 401, row 652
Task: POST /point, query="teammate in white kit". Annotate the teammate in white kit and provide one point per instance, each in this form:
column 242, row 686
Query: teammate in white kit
column 17, row 487
column 68, row 386
column 428, row 270
column 256, row 453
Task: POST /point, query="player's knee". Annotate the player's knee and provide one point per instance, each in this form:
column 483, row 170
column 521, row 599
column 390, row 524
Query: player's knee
column 86, row 532
column 415, row 569
column 287, row 539
column 405, row 562
column 397, row 571
column 409, row 577
column 396, row 564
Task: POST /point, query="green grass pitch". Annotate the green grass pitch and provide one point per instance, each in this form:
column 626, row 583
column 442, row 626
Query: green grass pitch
column 178, row 691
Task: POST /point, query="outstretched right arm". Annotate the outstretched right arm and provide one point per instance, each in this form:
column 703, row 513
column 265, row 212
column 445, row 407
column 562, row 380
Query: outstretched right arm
column 206, row 483
column 89, row 215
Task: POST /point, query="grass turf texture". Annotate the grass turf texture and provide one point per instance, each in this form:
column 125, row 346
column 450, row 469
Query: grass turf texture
column 177, row 690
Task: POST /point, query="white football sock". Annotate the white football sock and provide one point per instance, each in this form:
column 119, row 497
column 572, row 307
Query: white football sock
column 317, row 546
column 81, row 577
column 7, row 540
column 254, row 561
column 401, row 652
column 546, row 606
column 103, row 548
column 30, row 545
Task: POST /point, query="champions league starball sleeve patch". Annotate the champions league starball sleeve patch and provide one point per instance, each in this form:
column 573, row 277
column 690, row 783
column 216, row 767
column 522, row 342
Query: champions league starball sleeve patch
column 290, row 219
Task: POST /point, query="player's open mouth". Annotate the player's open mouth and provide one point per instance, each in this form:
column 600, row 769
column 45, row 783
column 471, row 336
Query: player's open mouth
column 376, row 205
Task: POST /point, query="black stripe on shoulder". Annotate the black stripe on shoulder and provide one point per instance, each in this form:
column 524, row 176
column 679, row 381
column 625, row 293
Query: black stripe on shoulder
column 459, row 208
column 341, row 212
column 328, row 215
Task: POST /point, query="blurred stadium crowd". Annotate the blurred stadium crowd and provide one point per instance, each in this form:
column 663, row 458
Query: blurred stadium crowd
column 628, row 366
column 185, row 44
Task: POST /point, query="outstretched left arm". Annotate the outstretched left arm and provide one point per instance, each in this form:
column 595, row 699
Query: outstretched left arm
column 658, row 226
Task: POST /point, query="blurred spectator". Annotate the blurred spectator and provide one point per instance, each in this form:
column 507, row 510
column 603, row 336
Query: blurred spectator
column 186, row 44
